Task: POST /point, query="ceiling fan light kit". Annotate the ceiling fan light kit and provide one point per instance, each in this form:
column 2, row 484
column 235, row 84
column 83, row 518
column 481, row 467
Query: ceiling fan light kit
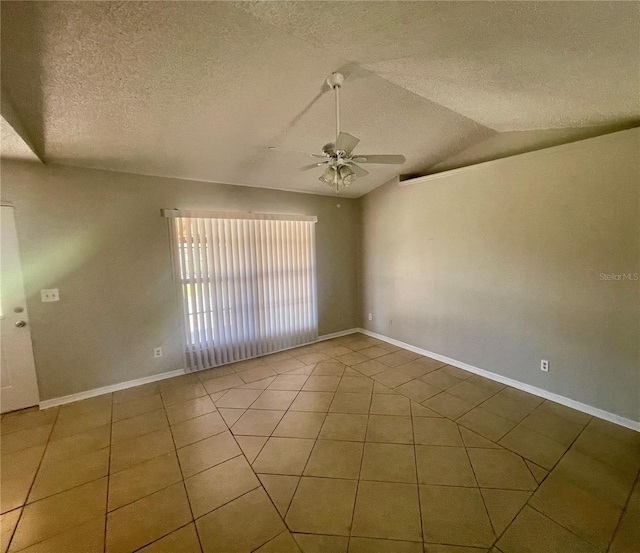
column 341, row 169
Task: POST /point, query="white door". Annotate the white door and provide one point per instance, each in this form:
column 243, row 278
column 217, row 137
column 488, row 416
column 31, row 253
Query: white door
column 19, row 387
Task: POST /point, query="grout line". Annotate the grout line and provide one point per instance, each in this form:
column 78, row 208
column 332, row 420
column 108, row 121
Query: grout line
column 35, row 475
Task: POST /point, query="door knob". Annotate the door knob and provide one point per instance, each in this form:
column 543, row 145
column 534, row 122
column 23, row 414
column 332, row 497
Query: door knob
column 20, row 324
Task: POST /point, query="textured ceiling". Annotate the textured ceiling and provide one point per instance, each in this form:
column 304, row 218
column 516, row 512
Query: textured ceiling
column 199, row 90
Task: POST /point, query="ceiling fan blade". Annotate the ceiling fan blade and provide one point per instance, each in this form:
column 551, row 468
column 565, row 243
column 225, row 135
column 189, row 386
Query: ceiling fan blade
column 359, row 171
column 296, row 151
column 393, row 159
column 346, row 142
column 312, row 166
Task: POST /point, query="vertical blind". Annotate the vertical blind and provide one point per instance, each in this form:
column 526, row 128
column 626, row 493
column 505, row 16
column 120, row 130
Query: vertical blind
column 247, row 283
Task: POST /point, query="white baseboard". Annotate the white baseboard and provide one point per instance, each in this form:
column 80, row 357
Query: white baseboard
column 337, row 334
column 47, row 403
column 568, row 402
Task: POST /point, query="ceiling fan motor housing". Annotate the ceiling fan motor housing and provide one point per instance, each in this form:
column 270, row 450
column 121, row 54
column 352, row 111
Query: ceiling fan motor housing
column 335, row 80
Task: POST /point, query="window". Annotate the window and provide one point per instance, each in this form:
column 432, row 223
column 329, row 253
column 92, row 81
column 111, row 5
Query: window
column 246, row 282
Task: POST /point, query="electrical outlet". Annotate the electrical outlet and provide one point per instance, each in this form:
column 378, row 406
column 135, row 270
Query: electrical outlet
column 51, row 294
column 544, row 365
column 370, row 317
column 157, row 352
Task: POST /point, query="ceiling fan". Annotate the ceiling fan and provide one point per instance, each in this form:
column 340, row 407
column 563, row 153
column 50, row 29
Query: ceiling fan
column 340, row 162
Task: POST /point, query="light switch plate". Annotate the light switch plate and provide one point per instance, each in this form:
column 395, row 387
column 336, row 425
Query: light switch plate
column 51, row 294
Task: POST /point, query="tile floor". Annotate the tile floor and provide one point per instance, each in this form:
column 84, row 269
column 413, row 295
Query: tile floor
column 345, row 445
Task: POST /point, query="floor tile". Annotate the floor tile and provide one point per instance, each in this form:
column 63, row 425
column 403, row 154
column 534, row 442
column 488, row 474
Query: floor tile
column 533, row 446
column 312, row 401
column 335, row 459
column 24, row 439
column 373, row 352
column 590, row 518
column 374, row 545
column 288, row 382
column 87, row 537
column 455, row 371
column 220, row 484
column 385, row 404
column 238, row 398
column 503, row 506
column 193, row 430
column 287, row 365
column 487, row 383
column 322, row 506
column 206, row 453
column 78, row 444
column 521, row 397
column 369, row 368
column 471, row 439
column 299, row 424
column 261, row 384
column 257, row 373
column 379, row 388
column 282, row 543
column 349, row 402
column 56, row 514
column 389, row 429
column 338, row 426
column 240, row 526
column 256, row 422
column 388, row 463
column 138, row 450
column 180, row 394
column 499, row 468
column 56, row 477
column 627, row 536
column 599, row 479
column 393, row 359
column 183, row 540
column 147, row 519
column 315, row 543
column 280, row 488
column 387, row 510
column 230, row 415
column 486, row 423
column 322, row 384
column 75, row 424
column 417, row 391
column 359, row 384
column 275, row 400
column 144, row 479
column 329, row 368
column 565, row 412
column 222, row 383
column 251, row 445
column 440, row 379
column 439, row 548
column 444, row 466
column 126, row 410
column 137, row 392
column 418, row 410
column 622, row 455
column 506, row 408
column 556, row 428
column 532, row 531
column 432, row 431
column 416, row 369
column 23, row 420
column 8, row 522
column 138, row 425
column 538, row 472
column 352, row 358
column 455, row 516
column 448, row 405
column 283, row 456
column 190, row 409
column 392, row 378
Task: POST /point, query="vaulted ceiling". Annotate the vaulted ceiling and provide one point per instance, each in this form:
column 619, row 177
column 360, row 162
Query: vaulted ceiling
column 199, row 90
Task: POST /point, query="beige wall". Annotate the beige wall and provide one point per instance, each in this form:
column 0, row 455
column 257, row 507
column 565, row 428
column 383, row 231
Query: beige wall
column 98, row 236
column 499, row 265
